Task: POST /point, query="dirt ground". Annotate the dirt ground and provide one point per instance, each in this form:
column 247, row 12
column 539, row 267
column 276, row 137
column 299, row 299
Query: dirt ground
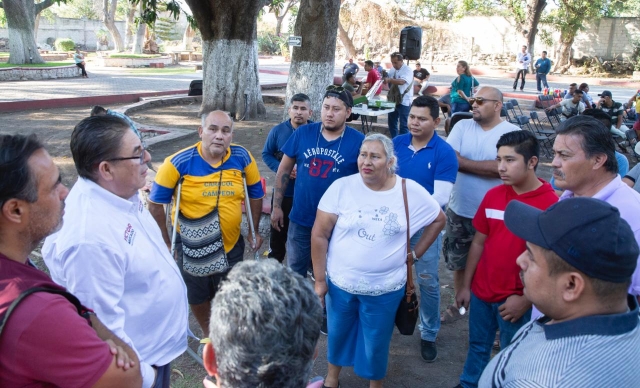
column 406, row 368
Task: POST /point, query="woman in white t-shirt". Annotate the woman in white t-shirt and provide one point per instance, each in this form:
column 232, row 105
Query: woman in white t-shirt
column 359, row 253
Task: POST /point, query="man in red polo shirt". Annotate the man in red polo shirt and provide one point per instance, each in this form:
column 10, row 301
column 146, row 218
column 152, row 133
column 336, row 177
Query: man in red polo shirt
column 372, row 77
column 46, row 342
column 492, row 284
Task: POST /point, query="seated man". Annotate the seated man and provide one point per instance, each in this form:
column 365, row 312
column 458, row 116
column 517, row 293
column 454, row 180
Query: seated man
column 420, row 79
column 265, row 323
column 47, row 340
column 614, row 109
column 372, row 77
column 350, row 84
column 570, row 107
column 350, row 67
column 572, row 88
column 577, row 270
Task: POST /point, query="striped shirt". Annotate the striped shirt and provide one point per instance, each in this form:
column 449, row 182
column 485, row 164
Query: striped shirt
column 591, row 351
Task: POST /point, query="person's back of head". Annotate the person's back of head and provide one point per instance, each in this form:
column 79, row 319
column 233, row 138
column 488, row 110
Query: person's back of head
column 599, row 115
column 589, row 251
column 265, row 323
column 98, row 111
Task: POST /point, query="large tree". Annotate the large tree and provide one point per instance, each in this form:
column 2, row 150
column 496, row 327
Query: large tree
column 21, row 21
column 109, row 8
column 280, row 9
column 229, row 55
column 312, row 64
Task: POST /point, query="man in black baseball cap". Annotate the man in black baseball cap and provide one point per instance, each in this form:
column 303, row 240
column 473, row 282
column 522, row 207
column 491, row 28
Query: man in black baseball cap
column 577, row 268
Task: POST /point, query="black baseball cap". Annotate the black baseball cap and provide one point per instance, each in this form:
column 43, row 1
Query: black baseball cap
column 341, row 93
column 587, row 233
column 605, row 93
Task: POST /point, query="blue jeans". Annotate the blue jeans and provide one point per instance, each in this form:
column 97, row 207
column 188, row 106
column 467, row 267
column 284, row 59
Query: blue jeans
column 541, row 78
column 460, row 107
column 400, row 113
column 426, row 268
column 484, row 320
column 299, row 248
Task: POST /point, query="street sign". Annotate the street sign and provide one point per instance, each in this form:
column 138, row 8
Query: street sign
column 295, row 41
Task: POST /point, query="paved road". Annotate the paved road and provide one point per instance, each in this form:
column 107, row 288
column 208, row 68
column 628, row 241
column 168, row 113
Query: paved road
column 114, row 81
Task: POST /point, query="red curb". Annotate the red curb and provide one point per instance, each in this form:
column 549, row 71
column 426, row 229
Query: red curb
column 278, row 72
column 15, row 106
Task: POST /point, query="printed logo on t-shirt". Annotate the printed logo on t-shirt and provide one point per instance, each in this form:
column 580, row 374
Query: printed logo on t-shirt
column 322, row 161
column 374, row 225
column 129, row 234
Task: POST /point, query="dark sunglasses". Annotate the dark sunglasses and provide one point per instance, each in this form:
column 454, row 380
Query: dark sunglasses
column 333, row 88
column 480, row 100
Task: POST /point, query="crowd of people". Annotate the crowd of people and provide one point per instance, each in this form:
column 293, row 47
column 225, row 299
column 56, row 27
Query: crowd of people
column 555, row 278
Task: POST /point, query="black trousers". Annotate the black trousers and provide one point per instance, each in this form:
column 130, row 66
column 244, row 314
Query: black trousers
column 278, row 241
column 81, row 66
column 522, row 72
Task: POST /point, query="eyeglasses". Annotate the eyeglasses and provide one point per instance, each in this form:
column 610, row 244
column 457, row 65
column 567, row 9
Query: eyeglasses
column 333, row 88
column 480, row 100
column 139, row 157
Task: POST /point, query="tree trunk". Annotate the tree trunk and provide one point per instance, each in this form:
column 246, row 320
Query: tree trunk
column 229, row 56
column 129, row 26
column 564, row 56
column 136, row 48
column 533, row 13
column 187, row 38
column 109, row 19
column 346, row 41
column 21, row 15
column 279, row 20
column 312, row 64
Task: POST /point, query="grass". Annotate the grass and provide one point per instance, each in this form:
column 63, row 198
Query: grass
column 166, row 70
column 47, row 64
column 134, row 56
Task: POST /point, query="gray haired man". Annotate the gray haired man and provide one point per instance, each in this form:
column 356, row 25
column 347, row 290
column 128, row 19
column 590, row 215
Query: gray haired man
column 265, row 323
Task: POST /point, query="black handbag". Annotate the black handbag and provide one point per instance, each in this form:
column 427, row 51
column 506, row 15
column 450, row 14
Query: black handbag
column 407, row 314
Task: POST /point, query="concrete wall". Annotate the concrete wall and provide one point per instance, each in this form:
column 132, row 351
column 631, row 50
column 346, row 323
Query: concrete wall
column 608, row 37
column 23, row 73
column 81, row 31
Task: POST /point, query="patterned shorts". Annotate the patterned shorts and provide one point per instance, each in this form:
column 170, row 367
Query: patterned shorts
column 458, row 235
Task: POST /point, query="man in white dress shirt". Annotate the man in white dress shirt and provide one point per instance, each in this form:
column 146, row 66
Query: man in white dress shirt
column 110, row 252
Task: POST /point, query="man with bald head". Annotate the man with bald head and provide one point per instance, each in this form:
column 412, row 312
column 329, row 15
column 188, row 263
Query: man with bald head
column 474, row 141
column 209, row 243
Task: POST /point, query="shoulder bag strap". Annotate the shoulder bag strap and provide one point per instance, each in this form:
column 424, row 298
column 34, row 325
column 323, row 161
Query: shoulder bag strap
column 410, row 289
column 71, row 298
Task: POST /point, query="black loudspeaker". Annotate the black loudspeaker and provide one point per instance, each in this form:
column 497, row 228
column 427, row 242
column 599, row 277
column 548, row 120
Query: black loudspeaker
column 195, row 88
column 411, row 42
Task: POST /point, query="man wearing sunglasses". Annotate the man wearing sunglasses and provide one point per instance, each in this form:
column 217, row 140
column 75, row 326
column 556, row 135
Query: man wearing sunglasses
column 110, row 252
column 475, row 144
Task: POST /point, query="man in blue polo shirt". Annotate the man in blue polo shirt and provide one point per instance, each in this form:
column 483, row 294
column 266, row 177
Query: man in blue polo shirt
column 427, row 159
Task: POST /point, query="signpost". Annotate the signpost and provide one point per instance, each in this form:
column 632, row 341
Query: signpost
column 295, row 41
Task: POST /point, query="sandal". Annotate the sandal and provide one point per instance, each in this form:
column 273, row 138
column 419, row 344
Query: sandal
column 324, row 386
column 450, row 315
